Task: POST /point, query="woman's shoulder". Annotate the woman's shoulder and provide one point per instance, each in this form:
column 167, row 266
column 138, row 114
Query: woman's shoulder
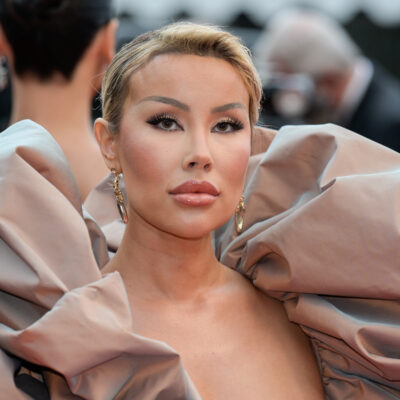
column 253, row 302
column 269, row 339
column 250, row 300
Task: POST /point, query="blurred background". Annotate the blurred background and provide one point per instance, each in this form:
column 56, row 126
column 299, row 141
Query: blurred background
column 374, row 25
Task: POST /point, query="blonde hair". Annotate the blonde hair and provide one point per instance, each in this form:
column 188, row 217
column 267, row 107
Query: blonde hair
column 179, row 38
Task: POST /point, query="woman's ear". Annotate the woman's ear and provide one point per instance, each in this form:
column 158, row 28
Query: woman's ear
column 108, row 143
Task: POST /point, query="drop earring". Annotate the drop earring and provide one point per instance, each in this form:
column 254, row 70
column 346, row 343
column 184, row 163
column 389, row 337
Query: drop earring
column 119, row 196
column 239, row 215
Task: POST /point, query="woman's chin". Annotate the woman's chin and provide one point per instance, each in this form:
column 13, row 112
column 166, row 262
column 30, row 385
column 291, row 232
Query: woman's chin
column 193, row 231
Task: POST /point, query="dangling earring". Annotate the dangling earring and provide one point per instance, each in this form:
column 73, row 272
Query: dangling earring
column 119, row 196
column 239, row 215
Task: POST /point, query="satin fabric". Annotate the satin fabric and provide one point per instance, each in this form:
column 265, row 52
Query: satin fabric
column 322, row 230
column 56, row 309
column 322, row 234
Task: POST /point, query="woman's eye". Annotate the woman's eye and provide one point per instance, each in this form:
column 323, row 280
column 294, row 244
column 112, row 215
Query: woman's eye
column 164, row 123
column 168, row 124
column 228, row 126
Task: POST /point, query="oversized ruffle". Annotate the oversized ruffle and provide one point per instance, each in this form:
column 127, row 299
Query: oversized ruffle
column 322, row 234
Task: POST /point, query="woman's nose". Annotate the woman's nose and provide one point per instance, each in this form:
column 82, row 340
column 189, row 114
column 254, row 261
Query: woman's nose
column 198, row 154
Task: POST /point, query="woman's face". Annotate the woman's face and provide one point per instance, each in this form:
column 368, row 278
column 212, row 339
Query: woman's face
column 184, row 143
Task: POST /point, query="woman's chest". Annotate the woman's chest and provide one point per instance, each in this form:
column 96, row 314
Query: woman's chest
column 232, row 354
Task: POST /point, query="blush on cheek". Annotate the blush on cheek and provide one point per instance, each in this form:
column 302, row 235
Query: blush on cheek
column 144, row 158
column 238, row 165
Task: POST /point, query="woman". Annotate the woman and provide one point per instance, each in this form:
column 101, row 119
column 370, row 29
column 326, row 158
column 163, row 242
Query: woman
column 179, row 129
column 311, row 201
column 180, row 133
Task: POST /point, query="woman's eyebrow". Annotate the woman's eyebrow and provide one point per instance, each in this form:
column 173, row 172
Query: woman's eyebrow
column 185, row 107
column 167, row 100
column 226, row 107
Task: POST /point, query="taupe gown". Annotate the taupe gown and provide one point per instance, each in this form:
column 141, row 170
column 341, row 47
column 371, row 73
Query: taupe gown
column 322, row 234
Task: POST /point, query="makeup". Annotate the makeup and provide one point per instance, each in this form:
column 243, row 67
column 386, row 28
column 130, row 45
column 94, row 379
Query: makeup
column 195, row 193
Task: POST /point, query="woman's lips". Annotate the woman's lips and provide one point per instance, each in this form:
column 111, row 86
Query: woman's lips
column 195, row 193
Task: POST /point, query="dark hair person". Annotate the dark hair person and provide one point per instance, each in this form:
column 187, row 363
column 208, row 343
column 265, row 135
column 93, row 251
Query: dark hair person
column 57, row 51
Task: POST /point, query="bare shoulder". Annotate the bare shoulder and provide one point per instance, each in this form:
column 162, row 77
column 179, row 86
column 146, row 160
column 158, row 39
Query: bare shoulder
column 250, row 296
column 269, row 312
column 269, row 328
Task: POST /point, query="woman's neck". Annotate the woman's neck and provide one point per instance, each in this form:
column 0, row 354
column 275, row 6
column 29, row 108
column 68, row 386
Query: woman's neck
column 159, row 266
column 64, row 110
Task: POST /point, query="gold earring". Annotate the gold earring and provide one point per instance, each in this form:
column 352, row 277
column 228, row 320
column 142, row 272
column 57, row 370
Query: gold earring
column 239, row 215
column 119, row 196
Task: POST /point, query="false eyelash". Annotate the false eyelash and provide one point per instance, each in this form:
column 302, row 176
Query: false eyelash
column 236, row 124
column 156, row 119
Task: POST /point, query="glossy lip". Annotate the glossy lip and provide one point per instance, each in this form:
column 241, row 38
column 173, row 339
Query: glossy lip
column 195, row 193
column 194, row 186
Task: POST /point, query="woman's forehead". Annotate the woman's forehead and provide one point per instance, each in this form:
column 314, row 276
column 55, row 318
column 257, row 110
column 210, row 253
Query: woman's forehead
column 179, row 73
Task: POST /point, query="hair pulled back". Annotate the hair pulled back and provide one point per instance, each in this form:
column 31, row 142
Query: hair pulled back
column 176, row 38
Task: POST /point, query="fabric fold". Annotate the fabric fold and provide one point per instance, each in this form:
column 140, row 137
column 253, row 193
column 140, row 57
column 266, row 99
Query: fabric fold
column 322, row 234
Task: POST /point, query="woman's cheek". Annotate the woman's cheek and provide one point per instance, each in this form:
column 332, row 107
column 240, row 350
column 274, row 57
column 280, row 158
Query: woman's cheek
column 238, row 161
column 142, row 156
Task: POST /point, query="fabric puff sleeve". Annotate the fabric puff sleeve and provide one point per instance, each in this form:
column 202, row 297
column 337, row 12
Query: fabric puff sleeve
column 322, row 234
column 59, row 316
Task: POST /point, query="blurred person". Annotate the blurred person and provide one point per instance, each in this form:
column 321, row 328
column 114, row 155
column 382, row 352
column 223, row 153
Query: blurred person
column 315, row 73
column 57, row 51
